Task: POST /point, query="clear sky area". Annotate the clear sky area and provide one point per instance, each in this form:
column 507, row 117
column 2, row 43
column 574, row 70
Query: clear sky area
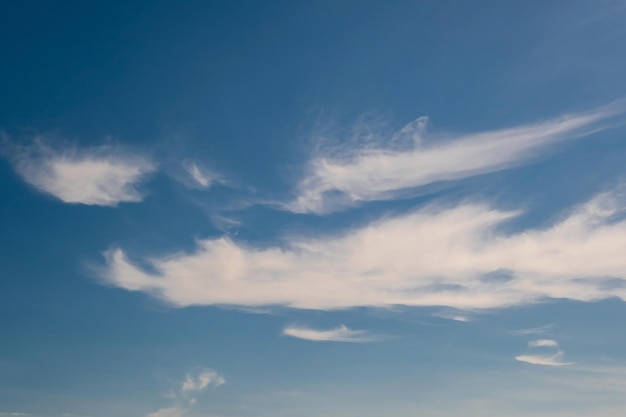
column 324, row 208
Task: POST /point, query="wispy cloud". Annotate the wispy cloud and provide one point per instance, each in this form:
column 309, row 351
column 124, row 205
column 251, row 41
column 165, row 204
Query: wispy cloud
column 102, row 176
column 186, row 393
column 394, row 165
column 545, row 360
column 543, row 343
column 435, row 256
column 201, row 381
column 338, row 334
column 455, row 316
column 535, row 330
column 200, row 177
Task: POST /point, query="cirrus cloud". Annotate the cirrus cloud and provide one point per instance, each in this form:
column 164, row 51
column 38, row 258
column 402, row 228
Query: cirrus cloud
column 434, row 256
column 544, row 360
column 338, row 334
column 394, row 165
column 199, row 177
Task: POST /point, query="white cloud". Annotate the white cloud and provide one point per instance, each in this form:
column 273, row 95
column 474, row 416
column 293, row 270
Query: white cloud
column 543, row 343
column 435, row 256
column 397, row 163
column 545, row 360
column 339, row 334
column 204, row 379
column 102, row 176
column 186, row 394
column 202, row 178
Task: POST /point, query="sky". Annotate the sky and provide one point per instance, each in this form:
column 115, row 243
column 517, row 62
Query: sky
column 312, row 209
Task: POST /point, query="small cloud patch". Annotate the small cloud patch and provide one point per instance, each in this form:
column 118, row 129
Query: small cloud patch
column 545, row 360
column 339, row 334
column 98, row 176
column 186, row 394
column 200, row 177
column 543, row 343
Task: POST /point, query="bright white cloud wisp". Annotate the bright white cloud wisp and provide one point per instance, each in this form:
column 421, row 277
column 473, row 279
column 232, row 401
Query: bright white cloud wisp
column 392, row 168
column 101, row 176
column 435, row 256
column 544, row 360
column 543, row 343
column 339, row 334
column 201, row 177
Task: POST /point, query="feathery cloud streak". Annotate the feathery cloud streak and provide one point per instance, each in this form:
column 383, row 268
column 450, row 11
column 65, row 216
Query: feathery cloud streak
column 533, row 331
column 392, row 168
column 432, row 257
column 199, row 177
column 545, row 360
column 339, row 334
column 102, row 176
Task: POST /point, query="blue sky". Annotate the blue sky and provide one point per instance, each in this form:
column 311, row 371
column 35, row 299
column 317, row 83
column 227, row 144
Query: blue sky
column 323, row 208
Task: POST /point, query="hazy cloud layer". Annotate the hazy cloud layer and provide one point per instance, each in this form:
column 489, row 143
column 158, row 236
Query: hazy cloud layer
column 339, row 334
column 391, row 166
column 434, row 256
column 102, row 176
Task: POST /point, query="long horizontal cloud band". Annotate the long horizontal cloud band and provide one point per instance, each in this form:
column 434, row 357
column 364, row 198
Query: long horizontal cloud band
column 383, row 172
column 454, row 257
